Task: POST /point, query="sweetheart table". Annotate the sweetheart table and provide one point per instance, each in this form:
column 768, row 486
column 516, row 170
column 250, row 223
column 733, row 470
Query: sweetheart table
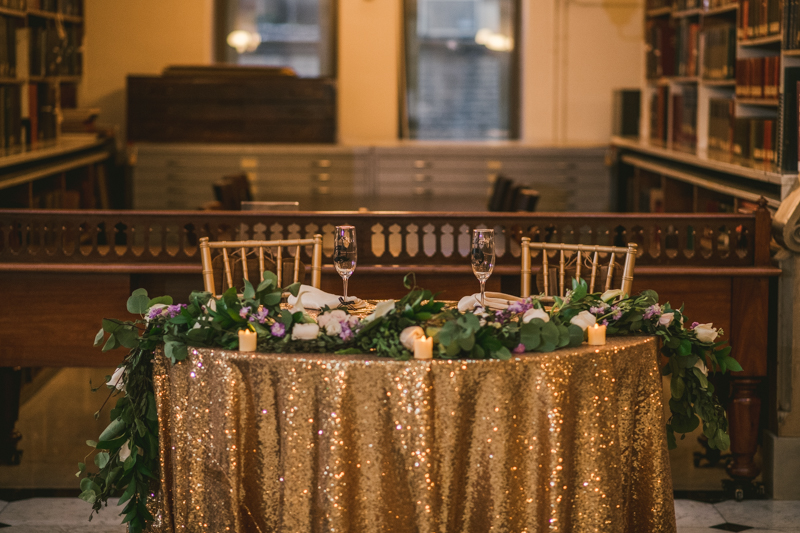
column 571, row 440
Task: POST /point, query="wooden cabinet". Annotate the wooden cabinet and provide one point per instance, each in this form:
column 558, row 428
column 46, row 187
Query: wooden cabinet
column 405, row 176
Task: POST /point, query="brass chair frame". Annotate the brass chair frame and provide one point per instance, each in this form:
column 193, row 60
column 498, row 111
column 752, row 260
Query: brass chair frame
column 241, row 247
column 580, row 249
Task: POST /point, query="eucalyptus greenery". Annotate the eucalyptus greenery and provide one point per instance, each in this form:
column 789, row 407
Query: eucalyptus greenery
column 127, row 453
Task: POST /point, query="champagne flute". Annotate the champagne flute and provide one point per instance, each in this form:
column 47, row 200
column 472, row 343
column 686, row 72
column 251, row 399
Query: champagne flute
column 345, row 254
column 482, row 256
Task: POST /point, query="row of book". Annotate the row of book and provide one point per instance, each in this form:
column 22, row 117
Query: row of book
column 758, row 77
column 753, row 140
column 719, row 59
column 759, row 18
column 54, row 52
column 687, row 46
column 8, row 47
column 18, row 5
column 682, row 5
column 684, row 119
column 791, row 27
column 27, row 114
column 660, row 41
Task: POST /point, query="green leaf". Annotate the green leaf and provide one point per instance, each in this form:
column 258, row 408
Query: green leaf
column 270, row 299
column 701, row 377
column 166, row 300
column 130, row 461
column 87, row 484
column 91, row 443
column 81, row 469
column 733, row 364
column 722, row 440
column 466, row 343
column 677, row 387
column 111, row 344
column 550, row 333
column 293, row 289
column 685, row 348
column 685, row 424
column 270, row 282
column 137, row 303
column 671, row 442
column 249, row 291
column 102, row 459
column 98, row 339
column 128, row 337
column 110, row 326
column 175, row 351
column 112, row 430
column 128, row 491
column 575, row 335
column 112, row 444
column 88, row 496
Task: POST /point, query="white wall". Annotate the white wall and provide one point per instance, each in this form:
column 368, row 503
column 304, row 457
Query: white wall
column 574, row 54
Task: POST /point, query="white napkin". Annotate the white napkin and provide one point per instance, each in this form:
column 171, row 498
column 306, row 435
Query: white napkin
column 494, row 300
column 312, row 298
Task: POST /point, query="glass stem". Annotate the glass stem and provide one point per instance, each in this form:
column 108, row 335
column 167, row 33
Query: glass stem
column 483, row 293
column 345, row 288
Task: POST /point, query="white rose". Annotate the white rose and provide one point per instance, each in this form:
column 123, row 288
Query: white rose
column 383, row 308
column 409, row 335
column 338, row 315
column 323, row 319
column 705, row 332
column 117, row 379
column 305, row 331
column 333, row 327
column 212, row 304
column 702, row 366
column 352, row 321
column 584, row 319
column 124, row 452
column 666, row 319
column 530, row 314
column 611, row 295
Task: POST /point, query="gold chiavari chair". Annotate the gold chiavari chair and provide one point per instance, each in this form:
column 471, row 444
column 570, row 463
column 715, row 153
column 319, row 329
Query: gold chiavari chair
column 567, row 257
column 246, row 249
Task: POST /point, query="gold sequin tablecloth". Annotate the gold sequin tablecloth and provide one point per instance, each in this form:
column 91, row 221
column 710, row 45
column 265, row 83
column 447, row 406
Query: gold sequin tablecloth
column 567, row 441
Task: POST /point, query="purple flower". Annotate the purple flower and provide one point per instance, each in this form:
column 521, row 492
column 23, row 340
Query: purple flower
column 173, row 310
column 278, row 330
column 516, row 307
column 155, row 312
column 599, row 309
column 244, row 311
column 604, row 322
column 260, row 316
column 694, row 325
column 520, row 348
column 652, row 311
column 617, row 315
column 346, row 333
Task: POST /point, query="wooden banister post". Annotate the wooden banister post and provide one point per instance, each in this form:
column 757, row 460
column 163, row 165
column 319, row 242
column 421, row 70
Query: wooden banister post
column 763, row 234
column 525, row 256
column 208, row 272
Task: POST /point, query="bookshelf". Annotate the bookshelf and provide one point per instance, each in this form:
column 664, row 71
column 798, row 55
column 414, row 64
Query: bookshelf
column 719, row 107
column 40, row 68
column 41, row 65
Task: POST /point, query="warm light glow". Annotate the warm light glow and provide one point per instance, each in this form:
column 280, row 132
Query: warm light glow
column 243, row 41
column 494, row 41
column 423, row 348
column 597, row 335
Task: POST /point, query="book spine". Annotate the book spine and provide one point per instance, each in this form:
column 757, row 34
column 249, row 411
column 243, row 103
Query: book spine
column 33, row 113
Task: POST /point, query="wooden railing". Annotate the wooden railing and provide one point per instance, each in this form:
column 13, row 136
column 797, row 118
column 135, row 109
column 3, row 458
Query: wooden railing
column 166, row 240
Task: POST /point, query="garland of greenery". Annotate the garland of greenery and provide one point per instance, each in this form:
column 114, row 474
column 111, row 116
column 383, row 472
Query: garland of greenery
column 127, row 454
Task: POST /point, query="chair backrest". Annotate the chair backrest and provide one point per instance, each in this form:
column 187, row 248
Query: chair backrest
column 502, row 185
column 592, row 253
column 525, row 200
column 245, row 248
column 231, row 191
